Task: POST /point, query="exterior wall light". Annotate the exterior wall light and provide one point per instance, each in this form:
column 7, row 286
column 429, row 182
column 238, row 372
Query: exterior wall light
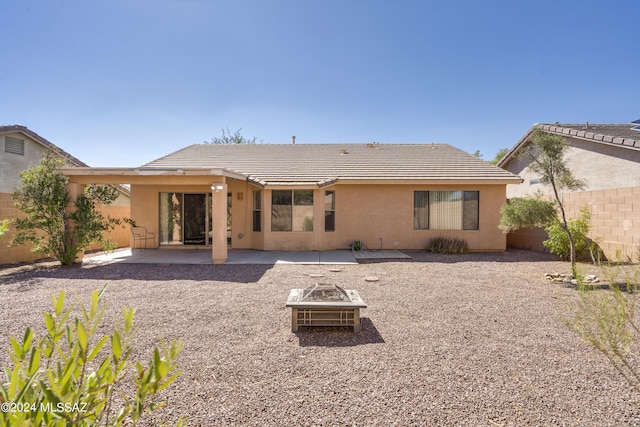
column 217, row 187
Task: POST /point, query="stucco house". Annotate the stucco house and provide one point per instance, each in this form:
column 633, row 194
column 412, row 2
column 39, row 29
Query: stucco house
column 312, row 197
column 21, row 149
column 607, row 158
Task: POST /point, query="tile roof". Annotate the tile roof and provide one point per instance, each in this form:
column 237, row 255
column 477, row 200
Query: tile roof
column 616, row 134
column 621, row 135
column 325, row 163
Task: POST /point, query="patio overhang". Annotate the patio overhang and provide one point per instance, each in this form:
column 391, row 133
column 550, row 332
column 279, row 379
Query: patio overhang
column 188, row 176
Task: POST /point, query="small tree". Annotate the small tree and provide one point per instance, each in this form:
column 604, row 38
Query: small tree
column 499, row 155
column 235, row 138
column 47, row 224
column 546, row 156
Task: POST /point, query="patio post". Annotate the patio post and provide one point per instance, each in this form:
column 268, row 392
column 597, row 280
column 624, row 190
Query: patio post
column 219, row 219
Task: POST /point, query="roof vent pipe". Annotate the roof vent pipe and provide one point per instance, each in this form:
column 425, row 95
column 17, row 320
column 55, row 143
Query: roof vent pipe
column 293, row 139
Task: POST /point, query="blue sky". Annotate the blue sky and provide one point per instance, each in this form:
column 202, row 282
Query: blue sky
column 123, row 82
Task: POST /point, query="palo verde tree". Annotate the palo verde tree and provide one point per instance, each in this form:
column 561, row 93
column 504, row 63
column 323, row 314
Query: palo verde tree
column 546, row 158
column 48, row 224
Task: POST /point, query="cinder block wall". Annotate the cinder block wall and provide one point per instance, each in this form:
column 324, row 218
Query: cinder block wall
column 615, row 222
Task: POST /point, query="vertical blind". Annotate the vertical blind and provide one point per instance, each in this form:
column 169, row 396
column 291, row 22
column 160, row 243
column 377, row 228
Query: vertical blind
column 446, row 210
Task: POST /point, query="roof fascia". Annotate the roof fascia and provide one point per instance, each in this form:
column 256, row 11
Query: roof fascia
column 136, row 172
column 516, row 148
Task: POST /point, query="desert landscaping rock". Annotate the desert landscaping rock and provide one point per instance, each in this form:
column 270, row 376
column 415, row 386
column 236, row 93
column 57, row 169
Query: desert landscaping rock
column 468, row 340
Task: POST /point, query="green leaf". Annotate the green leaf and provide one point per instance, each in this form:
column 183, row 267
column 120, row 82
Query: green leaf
column 166, row 383
column 82, row 336
column 26, row 342
column 97, row 348
column 128, row 318
column 17, row 348
column 95, row 298
column 116, row 345
column 34, row 362
column 58, row 303
column 50, row 323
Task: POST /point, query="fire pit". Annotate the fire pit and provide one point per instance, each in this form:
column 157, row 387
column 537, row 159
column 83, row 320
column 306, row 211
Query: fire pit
column 325, row 304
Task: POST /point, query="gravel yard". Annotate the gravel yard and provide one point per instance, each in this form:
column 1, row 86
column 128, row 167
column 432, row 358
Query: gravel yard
column 448, row 340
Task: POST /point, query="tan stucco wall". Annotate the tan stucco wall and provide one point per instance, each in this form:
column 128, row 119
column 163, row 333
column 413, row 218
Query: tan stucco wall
column 374, row 214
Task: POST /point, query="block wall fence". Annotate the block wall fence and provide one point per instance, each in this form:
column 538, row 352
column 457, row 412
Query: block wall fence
column 615, row 222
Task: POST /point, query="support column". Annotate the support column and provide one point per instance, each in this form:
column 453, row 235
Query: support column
column 219, row 220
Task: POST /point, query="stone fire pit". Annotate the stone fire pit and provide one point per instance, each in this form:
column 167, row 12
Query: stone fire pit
column 325, row 304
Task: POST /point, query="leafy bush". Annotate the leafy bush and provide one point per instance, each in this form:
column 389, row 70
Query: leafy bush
column 521, row 212
column 558, row 241
column 448, row 245
column 70, row 377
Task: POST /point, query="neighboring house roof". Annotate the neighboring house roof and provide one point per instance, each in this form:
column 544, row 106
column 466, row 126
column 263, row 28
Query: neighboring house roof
column 53, row 148
column 42, row 141
column 620, row 135
column 323, row 164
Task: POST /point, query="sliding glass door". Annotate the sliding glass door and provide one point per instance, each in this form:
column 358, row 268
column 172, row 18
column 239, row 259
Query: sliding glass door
column 185, row 218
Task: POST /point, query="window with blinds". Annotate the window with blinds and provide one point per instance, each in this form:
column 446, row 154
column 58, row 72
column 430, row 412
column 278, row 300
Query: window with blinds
column 13, row 146
column 292, row 210
column 446, row 210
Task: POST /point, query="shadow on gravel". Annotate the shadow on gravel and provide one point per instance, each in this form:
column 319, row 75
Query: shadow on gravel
column 156, row 272
column 339, row 336
column 510, row 255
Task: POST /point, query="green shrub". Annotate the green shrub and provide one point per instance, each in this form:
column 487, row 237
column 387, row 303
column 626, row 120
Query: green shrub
column 558, row 241
column 448, row 245
column 521, row 212
column 71, row 377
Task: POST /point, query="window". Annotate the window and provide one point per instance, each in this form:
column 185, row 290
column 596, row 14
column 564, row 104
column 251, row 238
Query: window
column 329, row 211
column 13, row 145
column 257, row 210
column 446, row 210
column 421, row 210
column 292, row 210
